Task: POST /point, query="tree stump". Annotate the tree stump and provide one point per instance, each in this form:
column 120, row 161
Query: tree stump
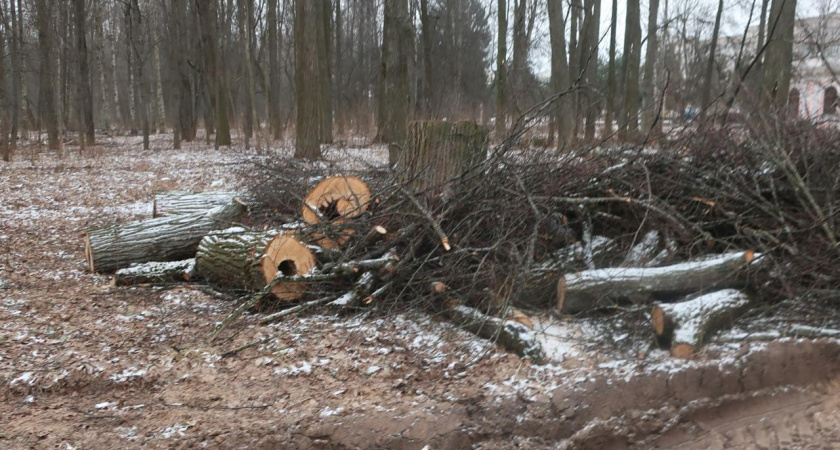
column 250, row 260
column 160, row 239
column 438, row 153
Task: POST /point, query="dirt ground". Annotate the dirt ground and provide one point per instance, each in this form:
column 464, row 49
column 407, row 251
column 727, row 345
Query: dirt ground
column 86, row 365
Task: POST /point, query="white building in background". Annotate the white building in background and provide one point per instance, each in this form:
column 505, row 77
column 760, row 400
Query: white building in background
column 816, row 67
column 815, row 78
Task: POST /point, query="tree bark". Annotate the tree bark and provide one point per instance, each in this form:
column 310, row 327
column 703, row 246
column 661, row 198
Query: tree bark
column 632, row 44
column 240, row 259
column 160, row 239
column 173, row 203
column 244, row 26
column 14, row 49
column 652, row 105
column 275, row 118
column 612, row 89
column 426, row 29
column 684, row 327
column 501, row 75
column 393, row 78
column 156, row 273
column 708, row 78
column 779, row 54
column 512, row 336
column 85, row 95
column 47, row 101
column 213, row 73
column 520, row 54
column 595, row 289
column 325, row 105
column 564, row 115
column 307, row 141
column 437, row 153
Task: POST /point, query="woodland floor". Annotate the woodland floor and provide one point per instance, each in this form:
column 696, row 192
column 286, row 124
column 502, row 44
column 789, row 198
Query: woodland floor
column 87, row 365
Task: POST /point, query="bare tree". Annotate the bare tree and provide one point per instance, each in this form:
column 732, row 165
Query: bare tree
column 275, row 119
column 706, row 97
column 560, row 75
column 307, row 86
column 611, row 82
column 393, row 79
column 501, row 75
column 426, row 30
column 632, row 44
column 85, row 96
column 47, row 102
column 779, row 54
column 214, row 75
column 652, row 106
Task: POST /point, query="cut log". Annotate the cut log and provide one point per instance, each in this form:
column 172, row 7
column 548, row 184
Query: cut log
column 250, row 260
column 685, row 326
column 160, row 239
column 603, row 288
column 173, row 203
column 644, row 252
column 156, row 272
column 540, row 286
column 436, row 153
column 334, row 200
column 513, row 336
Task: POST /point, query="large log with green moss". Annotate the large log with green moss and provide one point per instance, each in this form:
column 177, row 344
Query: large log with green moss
column 249, row 260
column 171, row 238
column 437, row 153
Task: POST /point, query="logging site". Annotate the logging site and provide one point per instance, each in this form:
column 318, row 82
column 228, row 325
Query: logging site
column 374, row 224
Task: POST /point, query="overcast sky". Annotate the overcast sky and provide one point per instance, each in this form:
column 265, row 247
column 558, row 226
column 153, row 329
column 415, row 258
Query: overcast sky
column 735, row 16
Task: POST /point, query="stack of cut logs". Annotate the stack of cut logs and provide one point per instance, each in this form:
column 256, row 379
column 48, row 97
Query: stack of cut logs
column 204, row 236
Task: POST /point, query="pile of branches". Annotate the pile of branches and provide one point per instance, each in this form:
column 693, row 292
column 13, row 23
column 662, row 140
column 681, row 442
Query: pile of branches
column 500, row 233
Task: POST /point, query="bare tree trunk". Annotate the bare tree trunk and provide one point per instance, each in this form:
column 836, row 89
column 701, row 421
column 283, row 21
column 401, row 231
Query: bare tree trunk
column 589, row 61
column 632, row 44
column 426, row 105
column 325, row 110
column 652, row 107
column 247, row 70
column 47, row 90
column 214, row 74
column 560, row 75
column 779, row 54
column 706, row 95
column 393, row 101
column 5, row 148
column 612, row 89
column 501, row 75
column 84, row 90
column 520, row 53
column 274, row 117
column 137, row 42
column 14, row 48
column 307, row 142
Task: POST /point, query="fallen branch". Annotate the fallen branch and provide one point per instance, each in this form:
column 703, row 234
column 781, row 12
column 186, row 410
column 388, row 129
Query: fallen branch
column 513, row 336
column 156, row 273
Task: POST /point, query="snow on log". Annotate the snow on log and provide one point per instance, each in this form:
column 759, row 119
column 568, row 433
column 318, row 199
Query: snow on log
column 643, row 252
column 159, row 239
column 250, row 260
column 172, row 203
column 594, row 289
column 685, row 326
column 540, row 285
column 156, row 272
column 513, row 336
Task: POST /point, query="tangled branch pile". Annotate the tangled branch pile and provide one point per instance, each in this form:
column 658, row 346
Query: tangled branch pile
column 457, row 229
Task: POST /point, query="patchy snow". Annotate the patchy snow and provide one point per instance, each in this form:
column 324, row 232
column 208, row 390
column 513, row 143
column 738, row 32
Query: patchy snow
column 128, row 374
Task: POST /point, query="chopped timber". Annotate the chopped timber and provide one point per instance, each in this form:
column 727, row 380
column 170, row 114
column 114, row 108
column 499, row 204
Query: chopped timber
column 335, row 198
column 173, row 203
column 156, row 272
column 513, row 336
column 438, row 152
column 644, row 252
column 603, row 288
column 686, row 326
column 171, row 238
column 250, row 260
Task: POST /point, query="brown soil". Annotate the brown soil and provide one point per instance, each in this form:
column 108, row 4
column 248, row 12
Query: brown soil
column 84, row 364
